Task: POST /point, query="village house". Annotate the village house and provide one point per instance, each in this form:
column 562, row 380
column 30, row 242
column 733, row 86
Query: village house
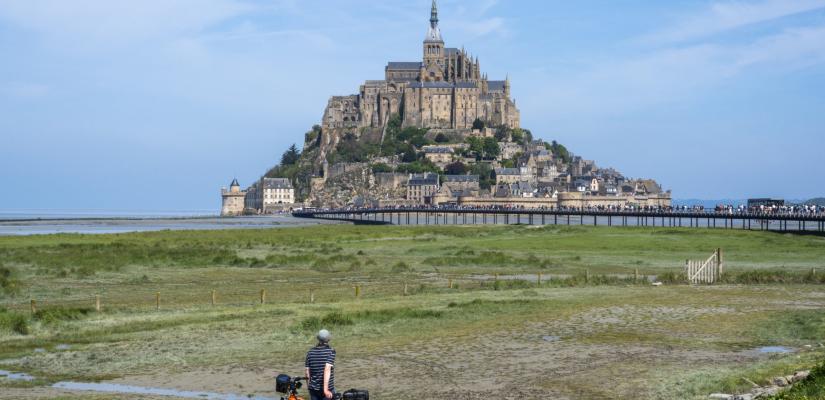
column 422, row 187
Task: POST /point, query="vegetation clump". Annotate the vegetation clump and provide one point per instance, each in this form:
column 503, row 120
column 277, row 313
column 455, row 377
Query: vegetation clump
column 52, row 316
column 338, row 319
column 12, row 322
column 812, row 388
column 9, row 285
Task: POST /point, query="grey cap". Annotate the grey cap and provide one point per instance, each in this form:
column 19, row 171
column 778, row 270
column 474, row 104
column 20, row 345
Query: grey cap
column 324, row 335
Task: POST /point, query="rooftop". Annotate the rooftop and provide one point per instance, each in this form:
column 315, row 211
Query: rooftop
column 460, row 178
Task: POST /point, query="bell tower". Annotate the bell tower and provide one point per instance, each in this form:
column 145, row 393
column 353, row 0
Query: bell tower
column 434, row 49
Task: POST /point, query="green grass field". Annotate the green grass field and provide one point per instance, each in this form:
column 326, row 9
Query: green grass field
column 590, row 330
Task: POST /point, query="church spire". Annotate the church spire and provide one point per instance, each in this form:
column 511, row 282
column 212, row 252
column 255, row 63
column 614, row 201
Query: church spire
column 434, row 34
column 434, row 16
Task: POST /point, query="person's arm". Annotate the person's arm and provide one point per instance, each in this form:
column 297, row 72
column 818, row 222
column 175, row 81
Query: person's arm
column 327, row 373
column 306, row 365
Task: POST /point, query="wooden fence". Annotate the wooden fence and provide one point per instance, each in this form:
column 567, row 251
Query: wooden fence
column 708, row 271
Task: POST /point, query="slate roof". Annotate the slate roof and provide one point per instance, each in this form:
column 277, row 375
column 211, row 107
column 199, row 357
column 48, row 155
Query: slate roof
column 495, row 86
column 460, row 178
column 508, row 171
column 404, row 65
column 437, row 150
column 234, row 183
column 277, row 183
column 466, row 85
column 426, row 179
column 439, row 85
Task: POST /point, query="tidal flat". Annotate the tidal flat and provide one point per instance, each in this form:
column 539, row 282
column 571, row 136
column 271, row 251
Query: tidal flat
column 441, row 312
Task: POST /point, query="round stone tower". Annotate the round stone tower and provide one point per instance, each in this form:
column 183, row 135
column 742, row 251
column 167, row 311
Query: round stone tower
column 232, row 200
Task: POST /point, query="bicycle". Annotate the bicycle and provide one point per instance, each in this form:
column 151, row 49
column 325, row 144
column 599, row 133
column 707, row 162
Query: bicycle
column 289, row 386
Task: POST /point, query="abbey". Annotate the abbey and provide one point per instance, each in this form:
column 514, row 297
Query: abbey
column 446, row 90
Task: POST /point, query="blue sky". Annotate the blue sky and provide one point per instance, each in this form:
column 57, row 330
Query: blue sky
column 156, row 104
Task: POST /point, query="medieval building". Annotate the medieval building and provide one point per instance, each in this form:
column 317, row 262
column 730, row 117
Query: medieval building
column 446, row 90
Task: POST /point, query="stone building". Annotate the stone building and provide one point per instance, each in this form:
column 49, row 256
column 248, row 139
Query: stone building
column 438, row 155
column 232, row 200
column 422, row 187
column 276, row 194
column 446, row 90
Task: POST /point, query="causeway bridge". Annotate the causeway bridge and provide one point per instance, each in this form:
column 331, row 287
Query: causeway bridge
column 780, row 222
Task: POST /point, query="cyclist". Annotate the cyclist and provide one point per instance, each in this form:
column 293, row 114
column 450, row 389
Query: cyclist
column 320, row 368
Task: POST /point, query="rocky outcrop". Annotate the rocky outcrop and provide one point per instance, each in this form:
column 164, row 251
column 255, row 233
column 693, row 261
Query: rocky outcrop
column 354, row 185
column 775, row 385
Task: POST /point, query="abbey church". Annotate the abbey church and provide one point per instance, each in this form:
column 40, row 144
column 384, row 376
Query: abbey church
column 446, row 90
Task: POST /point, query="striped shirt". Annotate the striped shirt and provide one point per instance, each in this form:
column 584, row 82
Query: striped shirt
column 317, row 358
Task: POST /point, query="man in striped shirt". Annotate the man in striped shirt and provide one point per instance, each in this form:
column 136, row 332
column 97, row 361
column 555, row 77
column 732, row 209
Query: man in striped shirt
column 320, row 368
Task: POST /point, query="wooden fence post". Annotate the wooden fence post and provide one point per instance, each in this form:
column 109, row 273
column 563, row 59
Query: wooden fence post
column 405, row 289
column 538, row 280
column 450, row 283
column 97, row 302
column 311, row 296
column 263, row 296
column 720, row 259
column 587, row 276
column 34, row 306
column 636, row 276
column 357, row 291
column 214, row 295
column 157, row 301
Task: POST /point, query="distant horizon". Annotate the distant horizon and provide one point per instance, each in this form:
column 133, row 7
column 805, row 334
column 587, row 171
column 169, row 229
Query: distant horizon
column 156, row 105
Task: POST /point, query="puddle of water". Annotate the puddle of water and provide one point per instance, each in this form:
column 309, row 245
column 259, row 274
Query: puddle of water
column 127, row 389
column 775, row 349
column 39, row 350
column 63, row 347
column 15, row 376
column 551, row 338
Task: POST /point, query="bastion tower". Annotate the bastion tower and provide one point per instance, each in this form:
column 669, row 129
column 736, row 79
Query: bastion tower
column 232, row 200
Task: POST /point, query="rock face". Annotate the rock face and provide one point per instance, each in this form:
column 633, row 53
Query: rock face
column 351, row 186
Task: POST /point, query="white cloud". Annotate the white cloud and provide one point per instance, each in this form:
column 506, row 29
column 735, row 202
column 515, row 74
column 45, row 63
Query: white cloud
column 106, row 23
column 671, row 74
column 730, row 15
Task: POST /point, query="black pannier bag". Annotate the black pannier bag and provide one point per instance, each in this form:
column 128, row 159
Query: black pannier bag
column 354, row 394
column 282, row 383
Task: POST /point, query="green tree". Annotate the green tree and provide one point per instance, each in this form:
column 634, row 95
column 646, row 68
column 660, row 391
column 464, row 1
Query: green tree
column 291, row 156
column 478, row 124
column 560, row 151
column 408, row 153
column 312, row 136
column 528, row 135
column 380, row 167
column 502, row 132
column 476, row 145
column 456, row 168
column 491, row 148
column 486, row 177
column 418, row 167
column 517, row 135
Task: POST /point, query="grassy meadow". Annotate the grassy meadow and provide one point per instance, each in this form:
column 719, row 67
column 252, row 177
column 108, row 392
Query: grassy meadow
column 589, row 330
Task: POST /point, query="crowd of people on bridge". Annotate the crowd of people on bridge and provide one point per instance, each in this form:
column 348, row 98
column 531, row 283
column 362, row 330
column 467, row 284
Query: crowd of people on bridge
column 780, row 210
column 728, row 209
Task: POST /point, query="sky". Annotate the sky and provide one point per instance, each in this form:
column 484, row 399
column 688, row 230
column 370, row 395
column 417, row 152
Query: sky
column 156, row 104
